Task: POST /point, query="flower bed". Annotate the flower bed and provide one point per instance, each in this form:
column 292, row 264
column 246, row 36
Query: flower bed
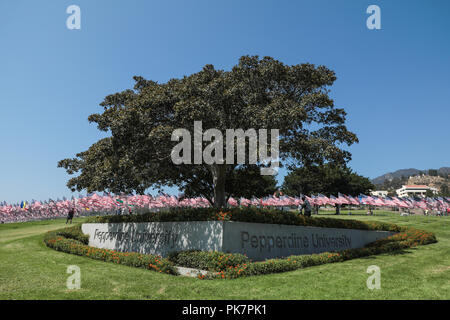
column 410, row 237
column 210, row 261
column 72, row 240
column 229, row 266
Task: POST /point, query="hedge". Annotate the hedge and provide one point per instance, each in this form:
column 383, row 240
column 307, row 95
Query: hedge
column 211, row 261
column 72, row 240
column 228, row 265
column 410, row 237
column 249, row 214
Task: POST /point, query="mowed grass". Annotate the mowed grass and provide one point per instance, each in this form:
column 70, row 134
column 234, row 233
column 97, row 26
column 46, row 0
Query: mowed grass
column 30, row 270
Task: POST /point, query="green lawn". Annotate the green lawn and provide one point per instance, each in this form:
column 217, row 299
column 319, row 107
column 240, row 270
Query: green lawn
column 30, row 270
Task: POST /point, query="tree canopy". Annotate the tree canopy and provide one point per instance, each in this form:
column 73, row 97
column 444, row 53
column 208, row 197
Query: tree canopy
column 326, row 179
column 257, row 93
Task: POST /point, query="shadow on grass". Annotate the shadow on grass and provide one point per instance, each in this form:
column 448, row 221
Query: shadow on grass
column 400, row 252
column 350, row 215
column 392, row 253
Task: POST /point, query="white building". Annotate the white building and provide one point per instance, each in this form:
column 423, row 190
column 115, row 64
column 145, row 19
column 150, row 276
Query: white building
column 379, row 193
column 415, row 190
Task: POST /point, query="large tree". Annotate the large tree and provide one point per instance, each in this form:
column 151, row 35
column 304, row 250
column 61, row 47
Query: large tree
column 245, row 181
column 326, row 179
column 257, row 93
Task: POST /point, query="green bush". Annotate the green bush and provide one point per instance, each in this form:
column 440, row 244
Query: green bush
column 410, row 237
column 212, row 261
column 75, row 233
column 249, row 214
column 72, row 240
column 227, row 265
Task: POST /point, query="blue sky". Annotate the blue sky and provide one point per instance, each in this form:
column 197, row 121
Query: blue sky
column 394, row 82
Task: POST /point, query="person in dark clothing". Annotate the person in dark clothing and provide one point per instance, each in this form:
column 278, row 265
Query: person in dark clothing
column 306, row 207
column 70, row 215
column 338, row 209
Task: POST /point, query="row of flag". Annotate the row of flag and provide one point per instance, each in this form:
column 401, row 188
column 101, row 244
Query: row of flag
column 111, row 203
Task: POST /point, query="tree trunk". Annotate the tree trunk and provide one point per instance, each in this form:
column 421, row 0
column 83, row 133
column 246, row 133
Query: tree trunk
column 219, row 176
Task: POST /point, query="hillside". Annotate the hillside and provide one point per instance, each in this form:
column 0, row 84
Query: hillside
column 404, row 174
column 437, row 178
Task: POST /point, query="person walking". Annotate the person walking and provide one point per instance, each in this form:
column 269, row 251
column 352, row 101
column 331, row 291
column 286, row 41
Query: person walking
column 316, row 209
column 338, row 209
column 70, row 215
column 306, row 207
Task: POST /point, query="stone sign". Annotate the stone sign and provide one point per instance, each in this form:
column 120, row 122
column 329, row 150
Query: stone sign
column 257, row 240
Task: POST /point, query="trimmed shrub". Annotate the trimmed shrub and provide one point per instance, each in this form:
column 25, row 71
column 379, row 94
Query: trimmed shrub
column 211, row 261
column 409, row 238
column 245, row 215
column 72, row 240
column 74, row 233
column 228, row 265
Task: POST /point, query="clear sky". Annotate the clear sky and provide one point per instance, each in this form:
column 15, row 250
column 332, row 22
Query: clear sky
column 394, row 82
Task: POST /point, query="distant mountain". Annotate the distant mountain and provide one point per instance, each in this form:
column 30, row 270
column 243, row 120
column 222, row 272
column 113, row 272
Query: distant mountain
column 444, row 170
column 405, row 173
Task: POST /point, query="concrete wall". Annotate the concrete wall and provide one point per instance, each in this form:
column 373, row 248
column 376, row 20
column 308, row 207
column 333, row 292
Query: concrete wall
column 258, row 241
column 262, row 241
column 155, row 237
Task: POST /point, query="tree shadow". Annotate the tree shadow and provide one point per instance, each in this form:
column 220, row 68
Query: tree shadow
column 392, row 253
column 351, row 215
column 398, row 252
